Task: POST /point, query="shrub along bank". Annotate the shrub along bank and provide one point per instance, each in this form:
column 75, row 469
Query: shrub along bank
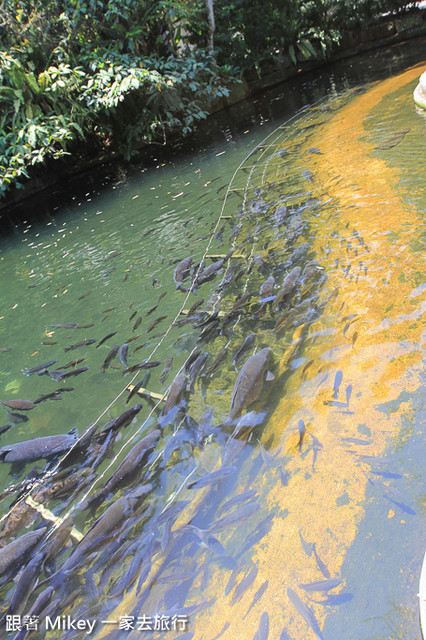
column 92, row 78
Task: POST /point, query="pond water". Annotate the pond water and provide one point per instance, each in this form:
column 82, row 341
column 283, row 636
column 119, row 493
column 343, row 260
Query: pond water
column 312, row 523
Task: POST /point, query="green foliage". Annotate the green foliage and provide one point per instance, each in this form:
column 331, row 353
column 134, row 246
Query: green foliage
column 105, row 71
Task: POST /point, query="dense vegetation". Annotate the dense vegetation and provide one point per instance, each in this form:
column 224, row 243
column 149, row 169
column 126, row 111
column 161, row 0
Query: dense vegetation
column 110, row 76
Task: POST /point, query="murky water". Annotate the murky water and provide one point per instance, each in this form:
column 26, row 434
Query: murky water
column 325, row 471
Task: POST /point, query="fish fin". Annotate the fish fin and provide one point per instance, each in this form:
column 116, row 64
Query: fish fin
column 73, row 432
column 269, row 376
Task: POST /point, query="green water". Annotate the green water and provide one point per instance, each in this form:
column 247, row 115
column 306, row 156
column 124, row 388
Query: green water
column 111, row 254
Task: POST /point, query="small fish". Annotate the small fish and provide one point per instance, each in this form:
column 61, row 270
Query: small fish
column 305, row 612
column 109, row 358
column 356, row 441
column 154, row 324
column 257, row 596
column 5, row 349
column 239, row 515
column 218, row 360
column 38, row 367
column 307, row 546
column 85, row 326
column 337, row 382
column 110, row 335
column 84, row 295
column 148, row 312
column 142, row 365
column 182, row 271
column 109, row 309
column 245, row 584
column 72, row 363
column 386, row 474
column 49, row 342
column 132, row 315
column 302, row 430
column 348, row 394
column 16, row 418
column 123, row 354
column 212, row 478
column 354, row 337
column 321, row 566
column 248, row 342
column 20, row 405
column 402, row 506
column 334, row 600
column 167, row 368
column 54, row 395
column 322, row 585
column 241, row 497
column 83, row 343
column 137, row 323
column 64, row 325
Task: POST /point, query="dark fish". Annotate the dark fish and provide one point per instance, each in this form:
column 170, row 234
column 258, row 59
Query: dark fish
column 134, row 460
column 267, row 289
column 138, row 385
column 322, row 585
column 249, row 383
column 20, row 405
column 302, row 430
column 245, row 584
column 13, row 554
column 209, row 273
column 148, row 312
column 109, row 358
column 72, row 363
column 263, row 630
column 123, row 420
column 195, row 306
column 49, row 342
column 25, row 585
column 257, row 596
column 182, row 271
column 68, row 374
column 212, row 478
column 6, row 427
column 218, row 360
column 241, row 497
column 16, row 418
column 154, row 324
column 167, row 368
column 308, row 547
column 195, row 370
column 239, row 303
column 393, row 140
column 64, row 325
column 133, row 315
column 337, row 383
column 321, row 566
column 305, row 612
column 402, row 506
column 137, row 323
column 248, row 342
column 54, row 395
column 123, row 354
column 239, row 515
column 105, row 339
column 5, row 349
column 334, row 600
column 38, row 367
column 348, row 394
column 177, row 389
column 142, row 365
column 106, row 525
column 83, row 343
column 288, row 286
column 85, row 326
column 37, row 448
column 84, row 295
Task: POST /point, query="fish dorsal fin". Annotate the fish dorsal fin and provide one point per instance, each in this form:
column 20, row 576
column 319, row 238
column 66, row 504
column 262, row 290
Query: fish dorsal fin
column 269, row 376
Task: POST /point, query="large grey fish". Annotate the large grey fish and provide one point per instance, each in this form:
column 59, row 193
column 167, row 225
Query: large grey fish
column 13, row 554
column 111, row 355
column 176, row 392
column 37, row 448
column 195, row 370
column 249, row 383
column 288, row 286
column 107, row 524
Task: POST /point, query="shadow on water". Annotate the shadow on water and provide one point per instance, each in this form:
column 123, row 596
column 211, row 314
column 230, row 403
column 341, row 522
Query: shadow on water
column 199, row 512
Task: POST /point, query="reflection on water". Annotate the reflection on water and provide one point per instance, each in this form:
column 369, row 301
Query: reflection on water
column 277, row 493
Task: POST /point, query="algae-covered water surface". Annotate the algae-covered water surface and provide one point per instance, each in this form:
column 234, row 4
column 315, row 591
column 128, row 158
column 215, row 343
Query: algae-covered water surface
column 262, row 300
